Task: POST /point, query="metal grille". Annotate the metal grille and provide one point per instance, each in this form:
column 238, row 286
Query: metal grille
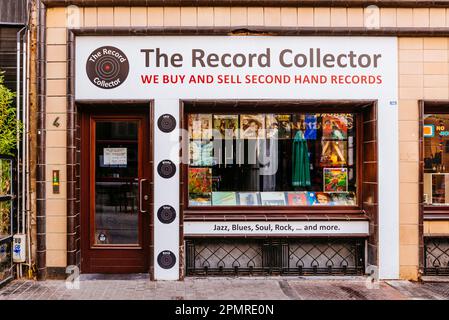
column 436, row 256
column 274, row 256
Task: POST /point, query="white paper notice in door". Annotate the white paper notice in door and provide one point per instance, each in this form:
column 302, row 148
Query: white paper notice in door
column 115, row 156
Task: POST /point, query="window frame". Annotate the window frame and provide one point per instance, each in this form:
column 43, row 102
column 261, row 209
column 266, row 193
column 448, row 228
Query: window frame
column 273, row 106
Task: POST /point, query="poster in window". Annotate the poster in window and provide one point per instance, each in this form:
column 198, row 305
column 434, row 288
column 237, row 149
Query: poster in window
column 278, row 124
column 200, row 199
column 323, row 198
column 333, row 153
column 335, row 126
column 200, row 126
column 343, row 198
column 272, row 198
column 335, row 179
column 224, row 198
column 226, row 125
column 249, row 198
column 200, row 180
column 252, row 126
column 201, row 153
column 115, row 157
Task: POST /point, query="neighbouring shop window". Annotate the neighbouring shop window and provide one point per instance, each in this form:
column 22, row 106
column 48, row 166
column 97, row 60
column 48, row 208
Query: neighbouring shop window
column 436, row 159
column 267, row 159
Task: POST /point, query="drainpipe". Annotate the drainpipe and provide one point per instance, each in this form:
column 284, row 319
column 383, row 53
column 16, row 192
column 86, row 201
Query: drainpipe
column 40, row 147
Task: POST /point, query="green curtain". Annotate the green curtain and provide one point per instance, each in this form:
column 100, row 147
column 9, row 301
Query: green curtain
column 300, row 161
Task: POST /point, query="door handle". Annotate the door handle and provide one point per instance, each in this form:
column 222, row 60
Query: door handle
column 141, row 195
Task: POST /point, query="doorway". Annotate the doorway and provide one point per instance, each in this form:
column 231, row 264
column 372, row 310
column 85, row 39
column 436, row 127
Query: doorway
column 115, row 191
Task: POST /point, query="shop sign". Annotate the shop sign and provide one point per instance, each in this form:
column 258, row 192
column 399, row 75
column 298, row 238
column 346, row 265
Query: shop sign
column 114, row 156
column 293, row 228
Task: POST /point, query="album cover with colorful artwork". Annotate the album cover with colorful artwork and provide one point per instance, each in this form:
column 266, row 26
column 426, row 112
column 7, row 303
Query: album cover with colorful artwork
column 252, row 126
column 200, row 199
column 279, row 124
column 200, row 126
column 333, row 153
column 226, row 126
column 224, row 198
column 335, row 179
column 334, row 126
column 200, row 180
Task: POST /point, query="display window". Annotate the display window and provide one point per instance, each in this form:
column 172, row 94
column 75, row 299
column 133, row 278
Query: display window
column 277, row 159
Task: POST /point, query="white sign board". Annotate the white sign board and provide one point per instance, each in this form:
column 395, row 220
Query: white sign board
column 114, row 156
column 293, row 228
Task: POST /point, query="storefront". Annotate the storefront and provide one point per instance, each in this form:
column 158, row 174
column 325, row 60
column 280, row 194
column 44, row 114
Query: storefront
column 231, row 146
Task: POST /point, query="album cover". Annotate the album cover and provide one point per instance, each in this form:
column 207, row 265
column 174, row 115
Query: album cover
column 252, row 126
column 310, row 129
column 249, row 198
column 334, row 153
column 201, row 153
column 335, row 126
column 335, row 179
column 224, row 198
column 200, row 180
column 311, row 198
column 297, row 199
column 200, row 126
column 225, row 126
column 199, row 199
column 344, row 198
column 272, row 198
column 280, row 124
column 323, row 198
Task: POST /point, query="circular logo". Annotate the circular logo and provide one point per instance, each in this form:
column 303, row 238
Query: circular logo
column 166, row 259
column 166, row 214
column 107, row 67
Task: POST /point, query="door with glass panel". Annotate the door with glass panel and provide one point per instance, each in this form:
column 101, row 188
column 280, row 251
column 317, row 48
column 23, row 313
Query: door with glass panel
column 115, row 216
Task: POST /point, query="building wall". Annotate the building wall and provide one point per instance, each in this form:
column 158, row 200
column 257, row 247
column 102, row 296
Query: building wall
column 423, row 74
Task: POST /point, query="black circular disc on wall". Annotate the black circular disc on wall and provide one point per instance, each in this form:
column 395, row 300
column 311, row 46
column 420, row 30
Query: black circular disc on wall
column 166, row 123
column 166, row 214
column 166, row 169
column 166, row 259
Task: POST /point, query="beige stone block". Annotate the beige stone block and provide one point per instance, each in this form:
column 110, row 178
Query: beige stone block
column 435, row 43
column 56, row 207
column 411, row 68
column 56, row 121
column 409, row 213
column 139, row 16
column 56, row 87
column 56, row 104
column 56, row 258
column 421, row 17
column 407, row 55
column 62, row 191
column 404, row 17
column 155, row 16
column 56, row 240
column 437, row 17
column 62, row 172
column 56, row 53
column 305, row 17
column 409, row 255
column 408, row 110
column 56, row 36
column 411, row 80
column 408, row 235
column 408, row 193
column 90, row 17
column 388, row 17
column 239, row 16
column 435, row 81
column 439, row 227
column 289, row 17
column 355, row 17
column 272, row 17
column 426, row 227
column 172, row 16
column 436, row 93
column 408, row 172
column 408, row 272
column 411, row 93
column 56, row 70
column 105, row 16
column 409, row 151
column 255, row 16
column 189, row 17
column 55, row 155
column 205, row 16
column 436, row 68
column 435, row 55
column 339, row 17
column 122, row 16
column 322, row 17
column 410, row 43
column 56, row 17
column 408, row 131
column 56, row 224
column 222, row 16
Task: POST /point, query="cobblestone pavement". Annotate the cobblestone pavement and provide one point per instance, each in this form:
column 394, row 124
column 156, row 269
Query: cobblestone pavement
column 141, row 287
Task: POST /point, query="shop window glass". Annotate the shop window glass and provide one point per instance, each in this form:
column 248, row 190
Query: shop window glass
column 288, row 159
column 436, row 159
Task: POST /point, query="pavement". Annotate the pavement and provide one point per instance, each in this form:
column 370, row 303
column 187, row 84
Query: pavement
column 140, row 287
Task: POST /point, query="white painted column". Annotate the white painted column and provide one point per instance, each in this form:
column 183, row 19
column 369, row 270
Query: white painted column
column 166, row 191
